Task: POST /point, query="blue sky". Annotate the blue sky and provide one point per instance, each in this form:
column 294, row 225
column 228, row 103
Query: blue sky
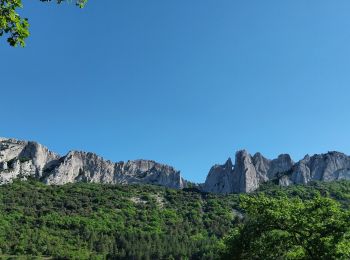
column 181, row 82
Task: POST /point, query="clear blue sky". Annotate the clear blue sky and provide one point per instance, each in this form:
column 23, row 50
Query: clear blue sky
column 185, row 82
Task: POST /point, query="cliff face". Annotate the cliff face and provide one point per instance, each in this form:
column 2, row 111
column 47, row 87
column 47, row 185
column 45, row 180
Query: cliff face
column 325, row 167
column 21, row 159
column 247, row 173
column 245, row 176
column 220, row 178
column 250, row 171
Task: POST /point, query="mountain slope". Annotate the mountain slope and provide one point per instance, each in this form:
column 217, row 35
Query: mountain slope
column 94, row 221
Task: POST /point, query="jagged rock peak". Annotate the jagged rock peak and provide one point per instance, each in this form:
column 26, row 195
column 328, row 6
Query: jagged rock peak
column 228, row 164
column 324, row 167
column 22, row 159
column 250, row 172
column 247, row 174
column 219, row 179
column 245, row 177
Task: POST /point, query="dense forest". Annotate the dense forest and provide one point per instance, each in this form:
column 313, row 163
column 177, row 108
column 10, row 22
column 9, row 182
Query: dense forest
column 94, row 221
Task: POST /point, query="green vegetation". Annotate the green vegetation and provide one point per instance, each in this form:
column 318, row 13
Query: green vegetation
column 93, row 221
column 83, row 221
column 289, row 228
column 16, row 27
column 24, row 159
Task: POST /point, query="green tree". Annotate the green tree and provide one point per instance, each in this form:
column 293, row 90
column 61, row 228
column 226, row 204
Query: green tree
column 15, row 26
column 289, row 228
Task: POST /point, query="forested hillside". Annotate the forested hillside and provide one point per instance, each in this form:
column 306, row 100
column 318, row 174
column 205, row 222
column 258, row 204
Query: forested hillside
column 94, row 221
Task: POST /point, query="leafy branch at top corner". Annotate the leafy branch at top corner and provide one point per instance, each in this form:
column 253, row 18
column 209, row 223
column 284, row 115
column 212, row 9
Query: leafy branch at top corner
column 16, row 27
column 79, row 3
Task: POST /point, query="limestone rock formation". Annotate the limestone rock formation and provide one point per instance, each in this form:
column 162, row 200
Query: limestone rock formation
column 323, row 167
column 268, row 169
column 21, row 159
column 220, row 178
column 250, row 171
column 245, row 176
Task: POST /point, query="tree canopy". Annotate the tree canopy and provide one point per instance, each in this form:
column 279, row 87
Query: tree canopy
column 96, row 221
column 16, row 27
column 290, row 228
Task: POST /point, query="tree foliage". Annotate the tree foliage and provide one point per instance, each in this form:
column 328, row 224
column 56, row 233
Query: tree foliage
column 95, row 221
column 13, row 25
column 290, row 228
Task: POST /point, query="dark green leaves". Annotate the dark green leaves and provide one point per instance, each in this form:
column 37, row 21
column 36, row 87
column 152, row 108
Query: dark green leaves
column 94, row 221
column 290, row 228
column 79, row 3
column 13, row 25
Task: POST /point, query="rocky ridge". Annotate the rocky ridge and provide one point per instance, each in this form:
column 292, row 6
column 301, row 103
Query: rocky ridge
column 249, row 172
column 23, row 160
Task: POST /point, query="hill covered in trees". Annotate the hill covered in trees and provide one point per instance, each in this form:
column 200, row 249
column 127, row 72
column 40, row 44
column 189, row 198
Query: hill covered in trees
column 95, row 221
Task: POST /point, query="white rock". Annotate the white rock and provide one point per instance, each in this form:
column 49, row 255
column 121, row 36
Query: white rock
column 249, row 172
column 220, row 178
column 21, row 159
